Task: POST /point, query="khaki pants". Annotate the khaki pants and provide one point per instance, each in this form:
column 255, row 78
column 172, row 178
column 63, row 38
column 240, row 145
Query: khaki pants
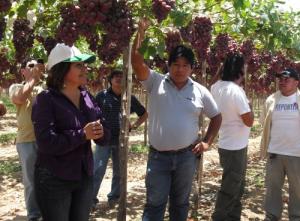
column 278, row 167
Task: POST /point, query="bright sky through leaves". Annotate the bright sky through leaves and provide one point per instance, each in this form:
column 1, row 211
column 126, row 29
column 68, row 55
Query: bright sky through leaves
column 291, row 5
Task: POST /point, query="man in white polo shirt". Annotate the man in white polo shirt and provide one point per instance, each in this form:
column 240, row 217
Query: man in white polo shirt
column 281, row 144
column 237, row 118
column 175, row 104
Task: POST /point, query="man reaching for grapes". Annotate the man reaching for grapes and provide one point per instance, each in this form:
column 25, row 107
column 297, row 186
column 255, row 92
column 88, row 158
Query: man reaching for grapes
column 280, row 143
column 23, row 96
column 175, row 104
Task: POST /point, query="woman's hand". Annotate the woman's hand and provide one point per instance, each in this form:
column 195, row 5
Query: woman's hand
column 93, row 130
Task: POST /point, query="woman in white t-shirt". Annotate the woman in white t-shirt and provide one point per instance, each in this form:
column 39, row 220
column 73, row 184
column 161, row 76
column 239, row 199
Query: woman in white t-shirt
column 233, row 137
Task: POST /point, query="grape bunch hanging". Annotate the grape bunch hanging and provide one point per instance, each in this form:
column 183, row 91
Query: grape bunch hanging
column 94, row 11
column 5, row 5
column 3, row 61
column 161, row 8
column 201, row 36
column 213, row 61
column 119, row 29
column 172, row 40
column 247, row 49
column 68, row 29
column 225, row 45
column 22, row 38
column 2, row 27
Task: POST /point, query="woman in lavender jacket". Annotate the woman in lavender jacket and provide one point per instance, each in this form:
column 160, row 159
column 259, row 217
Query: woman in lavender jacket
column 66, row 119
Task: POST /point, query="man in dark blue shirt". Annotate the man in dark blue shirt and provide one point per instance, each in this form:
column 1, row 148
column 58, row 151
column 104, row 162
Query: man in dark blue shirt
column 110, row 103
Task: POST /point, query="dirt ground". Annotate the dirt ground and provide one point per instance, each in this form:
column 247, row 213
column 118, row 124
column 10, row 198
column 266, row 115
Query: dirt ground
column 12, row 200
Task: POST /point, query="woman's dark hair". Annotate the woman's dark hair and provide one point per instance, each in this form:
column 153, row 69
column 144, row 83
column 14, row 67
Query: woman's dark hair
column 112, row 74
column 233, row 68
column 182, row 51
column 57, row 74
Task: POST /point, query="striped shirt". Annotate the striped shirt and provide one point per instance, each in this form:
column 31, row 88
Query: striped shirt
column 110, row 105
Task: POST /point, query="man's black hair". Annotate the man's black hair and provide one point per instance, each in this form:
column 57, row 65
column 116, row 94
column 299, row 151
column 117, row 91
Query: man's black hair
column 113, row 73
column 182, row 51
column 233, row 68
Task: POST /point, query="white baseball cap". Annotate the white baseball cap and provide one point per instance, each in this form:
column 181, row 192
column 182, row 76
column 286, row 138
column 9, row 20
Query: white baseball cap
column 65, row 53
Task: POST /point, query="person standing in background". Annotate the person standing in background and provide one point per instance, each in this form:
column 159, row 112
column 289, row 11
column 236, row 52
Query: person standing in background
column 233, row 138
column 280, row 143
column 110, row 103
column 2, row 109
column 23, row 95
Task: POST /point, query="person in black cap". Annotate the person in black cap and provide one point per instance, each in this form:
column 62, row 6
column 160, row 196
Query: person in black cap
column 281, row 145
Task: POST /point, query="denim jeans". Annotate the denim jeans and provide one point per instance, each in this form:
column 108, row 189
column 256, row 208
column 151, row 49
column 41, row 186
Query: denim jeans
column 63, row 200
column 27, row 155
column 228, row 205
column 101, row 157
column 169, row 176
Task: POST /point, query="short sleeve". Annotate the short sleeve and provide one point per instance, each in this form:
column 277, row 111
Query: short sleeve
column 137, row 107
column 152, row 80
column 210, row 106
column 13, row 89
column 241, row 102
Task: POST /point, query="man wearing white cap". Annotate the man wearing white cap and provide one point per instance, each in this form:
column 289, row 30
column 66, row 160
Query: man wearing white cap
column 66, row 119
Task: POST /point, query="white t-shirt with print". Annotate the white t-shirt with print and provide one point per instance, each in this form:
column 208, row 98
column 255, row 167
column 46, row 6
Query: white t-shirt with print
column 232, row 102
column 285, row 127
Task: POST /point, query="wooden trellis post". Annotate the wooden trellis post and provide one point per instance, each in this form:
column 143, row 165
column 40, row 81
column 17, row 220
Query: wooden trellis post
column 124, row 131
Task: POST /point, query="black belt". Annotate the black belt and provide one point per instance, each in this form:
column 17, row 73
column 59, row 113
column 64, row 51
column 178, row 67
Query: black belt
column 182, row 150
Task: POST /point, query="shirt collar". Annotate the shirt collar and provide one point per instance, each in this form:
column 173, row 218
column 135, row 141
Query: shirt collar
column 169, row 80
column 110, row 90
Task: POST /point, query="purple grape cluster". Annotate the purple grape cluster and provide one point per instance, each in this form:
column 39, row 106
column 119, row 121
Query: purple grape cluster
column 201, row 36
column 5, row 6
column 225, row 46
column 247, row 48
column 94, row 11
column 3, row 61
column 22, row 38
column 172, row 40
column 2, row 27
column 118, row 31
column 68, row 29
column 161, row 8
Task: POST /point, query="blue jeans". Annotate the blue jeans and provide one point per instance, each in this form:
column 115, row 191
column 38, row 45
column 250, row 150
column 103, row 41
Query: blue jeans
column 63, row 200
column 169, row 176
column 27, row 155
column 101, row 156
